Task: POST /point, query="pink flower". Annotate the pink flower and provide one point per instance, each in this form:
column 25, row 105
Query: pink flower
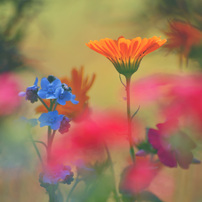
column 173, row 146
column 176, row 96
column 87, row 140
column 151, row 89
column 137, row 177
column 186, row 100
column 9, row 99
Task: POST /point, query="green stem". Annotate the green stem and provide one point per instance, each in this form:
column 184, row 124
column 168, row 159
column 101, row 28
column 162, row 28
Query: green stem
column 51, row 194
column 121, row 80
column 51, row 139
column 44, row 103
column 52, row 102
column 77, row 180
column 37, row 150
column 48, row 144
column 55, row 106
column 132, row 152
column 135, row 112
column 41, row 143
column 112, row 171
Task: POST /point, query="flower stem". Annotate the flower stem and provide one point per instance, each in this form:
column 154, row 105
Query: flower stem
column 51, row 193
column 112, row 171
column 77, row 180
column 45, row 105
column 52, row 102
column 37, row 150
column 132, row 152
column 50, row 138
column 55, row 106
column 41, row 142
column 48, row 144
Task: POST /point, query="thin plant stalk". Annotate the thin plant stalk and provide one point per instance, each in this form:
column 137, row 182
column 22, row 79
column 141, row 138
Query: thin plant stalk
column 37, row 150
column 77, row 180
column 112, row 171
column 130, row 139
column 48, row 144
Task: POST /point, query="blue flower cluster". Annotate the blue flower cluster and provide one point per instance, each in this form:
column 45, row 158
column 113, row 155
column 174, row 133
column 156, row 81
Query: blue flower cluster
column 52, row 88
column 58, row 93
column 55, row 175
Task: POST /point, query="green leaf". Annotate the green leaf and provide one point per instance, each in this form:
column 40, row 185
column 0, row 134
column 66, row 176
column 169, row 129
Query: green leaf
column 147, row 196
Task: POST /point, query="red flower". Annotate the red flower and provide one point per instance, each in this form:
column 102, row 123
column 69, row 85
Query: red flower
column 182, row 37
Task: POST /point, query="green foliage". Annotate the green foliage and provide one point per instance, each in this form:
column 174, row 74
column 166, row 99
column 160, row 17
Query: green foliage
column 144, row 196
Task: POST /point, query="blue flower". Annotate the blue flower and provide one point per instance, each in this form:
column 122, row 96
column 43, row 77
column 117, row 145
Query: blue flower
column 73, row 99
column 31, row 92
column 64, row 95
column 51, row 119
column 55, row 174
column 30, row 122
column 48, row 88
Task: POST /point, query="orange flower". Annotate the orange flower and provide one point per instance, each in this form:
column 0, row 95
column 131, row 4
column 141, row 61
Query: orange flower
column 80, row 87
column 181, row 37
column 126, row 54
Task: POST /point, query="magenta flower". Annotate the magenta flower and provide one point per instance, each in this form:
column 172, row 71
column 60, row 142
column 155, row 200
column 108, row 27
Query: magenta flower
column 173, row 146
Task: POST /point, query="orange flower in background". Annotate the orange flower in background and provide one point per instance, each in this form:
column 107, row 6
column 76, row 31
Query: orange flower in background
column 182, row 37
column 126, row 54
column 80, row 86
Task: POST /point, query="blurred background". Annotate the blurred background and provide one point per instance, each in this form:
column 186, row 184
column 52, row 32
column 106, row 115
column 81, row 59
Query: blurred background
column 46, row 37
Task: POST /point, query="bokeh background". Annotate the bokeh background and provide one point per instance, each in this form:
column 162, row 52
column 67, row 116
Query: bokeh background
column 43, row 37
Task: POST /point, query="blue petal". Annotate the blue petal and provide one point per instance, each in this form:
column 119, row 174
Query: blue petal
column 58, row 91
column 42, row 124
column 55, row 126
column 21, row 94
column 44, row 117
column 64, row 173
column 57, row 83
column 36, row 82
column 68, row 96
column 46, row 179
column 60, row 117
column 50, row 96
column 74, row 101
column 33, row 122
column 44, row 83
column 54, row 113
column 61, row 101
column 42, row 94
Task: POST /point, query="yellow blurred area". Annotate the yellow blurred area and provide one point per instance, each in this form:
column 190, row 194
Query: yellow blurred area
column 55, row 43
column 56, row 40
